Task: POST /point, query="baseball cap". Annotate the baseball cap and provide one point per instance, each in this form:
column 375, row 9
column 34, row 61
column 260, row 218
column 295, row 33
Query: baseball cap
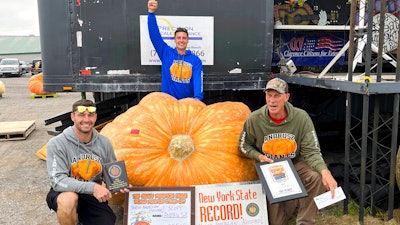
column 278, row 85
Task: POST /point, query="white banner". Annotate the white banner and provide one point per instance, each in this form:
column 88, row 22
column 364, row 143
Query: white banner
column 201, row 37
column 240, row 203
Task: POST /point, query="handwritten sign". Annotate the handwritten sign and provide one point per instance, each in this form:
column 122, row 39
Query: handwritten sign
column 159, row 206
column 241, row 203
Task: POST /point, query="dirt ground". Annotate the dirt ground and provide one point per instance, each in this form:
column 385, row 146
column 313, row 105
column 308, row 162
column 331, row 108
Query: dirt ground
column 23, row 178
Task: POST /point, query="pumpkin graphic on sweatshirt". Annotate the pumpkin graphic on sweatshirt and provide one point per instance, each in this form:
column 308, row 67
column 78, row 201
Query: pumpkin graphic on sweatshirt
column 85, row 169
column 279, row 147
column 181, row 71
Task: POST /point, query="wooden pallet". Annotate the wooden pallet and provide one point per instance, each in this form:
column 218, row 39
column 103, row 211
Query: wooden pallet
column 53, row 95
column 16, row 130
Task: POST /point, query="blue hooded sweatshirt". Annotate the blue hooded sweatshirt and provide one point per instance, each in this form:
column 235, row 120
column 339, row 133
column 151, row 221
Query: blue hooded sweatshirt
column 181, row 75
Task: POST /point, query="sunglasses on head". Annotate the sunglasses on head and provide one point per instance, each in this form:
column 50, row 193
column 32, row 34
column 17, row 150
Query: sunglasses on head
column 82, row 109
column 181, row 29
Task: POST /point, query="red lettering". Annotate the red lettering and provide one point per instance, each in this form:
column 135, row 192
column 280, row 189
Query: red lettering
column 209, row 217
column 228, row 212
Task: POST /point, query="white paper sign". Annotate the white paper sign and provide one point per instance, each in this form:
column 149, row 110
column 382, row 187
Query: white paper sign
column 326, row 199
column 169, row 207
column 239, row 203
column 201, row 37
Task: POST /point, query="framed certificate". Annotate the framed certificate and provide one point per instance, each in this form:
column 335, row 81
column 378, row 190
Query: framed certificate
column 280, row 180
column 159, row 206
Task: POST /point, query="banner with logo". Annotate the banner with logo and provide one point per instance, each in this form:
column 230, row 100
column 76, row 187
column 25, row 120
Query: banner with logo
column 309, row 48
column 201, row 37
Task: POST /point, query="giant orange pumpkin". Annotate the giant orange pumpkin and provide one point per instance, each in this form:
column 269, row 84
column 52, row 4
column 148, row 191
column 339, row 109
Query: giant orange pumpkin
column 2, row 88
column 169, row 142
column 36, row 84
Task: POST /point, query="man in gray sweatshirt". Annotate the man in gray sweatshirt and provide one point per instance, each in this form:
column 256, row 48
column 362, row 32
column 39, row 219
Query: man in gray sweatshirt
column 280, row 130
column 74, row 165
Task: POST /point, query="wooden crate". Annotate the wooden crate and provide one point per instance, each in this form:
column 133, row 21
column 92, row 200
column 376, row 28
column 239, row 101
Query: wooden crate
column 16, row 130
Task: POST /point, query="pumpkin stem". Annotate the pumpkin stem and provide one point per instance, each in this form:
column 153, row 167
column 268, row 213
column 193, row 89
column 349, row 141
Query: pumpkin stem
column 180, row 147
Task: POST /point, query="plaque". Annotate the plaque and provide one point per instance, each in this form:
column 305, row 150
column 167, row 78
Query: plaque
column 280, row 180
column 115, row 177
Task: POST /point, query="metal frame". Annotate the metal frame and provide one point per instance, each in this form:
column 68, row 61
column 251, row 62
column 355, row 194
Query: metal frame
column 370, row 126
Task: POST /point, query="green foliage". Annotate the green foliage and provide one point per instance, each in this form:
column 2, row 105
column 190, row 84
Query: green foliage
column 353, row 209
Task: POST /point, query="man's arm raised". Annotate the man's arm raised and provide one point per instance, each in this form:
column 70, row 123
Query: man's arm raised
column 152, row 6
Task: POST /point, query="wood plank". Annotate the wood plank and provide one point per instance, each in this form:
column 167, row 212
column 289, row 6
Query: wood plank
column 16, row 130
column 52, row 95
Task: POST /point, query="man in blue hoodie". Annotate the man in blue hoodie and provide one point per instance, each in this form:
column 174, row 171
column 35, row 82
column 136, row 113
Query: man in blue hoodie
column 181, row 71
column 74, row 165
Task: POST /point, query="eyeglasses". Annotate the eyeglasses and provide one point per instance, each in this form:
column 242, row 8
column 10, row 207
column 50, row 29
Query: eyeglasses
column 82, row 109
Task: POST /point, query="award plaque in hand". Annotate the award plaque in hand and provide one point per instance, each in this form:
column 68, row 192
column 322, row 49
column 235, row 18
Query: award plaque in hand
column 280, row 180
column 115, row 176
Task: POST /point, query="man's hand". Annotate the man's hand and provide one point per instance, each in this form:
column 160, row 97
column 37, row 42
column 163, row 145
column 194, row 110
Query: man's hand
column 328, row 181
column 263, row 158
column 125, row 190
column 152, row 6
column 101, row 193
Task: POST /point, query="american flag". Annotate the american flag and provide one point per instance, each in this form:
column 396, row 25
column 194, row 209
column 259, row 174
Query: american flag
column 329, row 43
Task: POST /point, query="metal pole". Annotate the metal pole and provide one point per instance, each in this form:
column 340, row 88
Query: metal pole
column 364, row 146
column 347, row 150
column 395, row 133
column 381, row 40
column 368, row 51
column 374, row 152
column 368, row 56
column 395, row 127
column 353, row 9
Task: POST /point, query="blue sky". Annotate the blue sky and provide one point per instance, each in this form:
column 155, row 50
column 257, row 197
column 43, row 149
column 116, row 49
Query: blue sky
column 19, row 18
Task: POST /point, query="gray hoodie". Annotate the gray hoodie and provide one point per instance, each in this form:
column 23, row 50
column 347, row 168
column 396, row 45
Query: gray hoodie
column 296, row 135
column 71, row 164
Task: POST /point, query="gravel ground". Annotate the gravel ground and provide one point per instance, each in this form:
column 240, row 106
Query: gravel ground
column 23, row 177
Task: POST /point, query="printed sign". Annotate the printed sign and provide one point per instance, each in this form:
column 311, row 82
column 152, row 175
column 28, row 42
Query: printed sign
column 239, row 203
column 309, row 48
column 159, row 206
column 201, row 37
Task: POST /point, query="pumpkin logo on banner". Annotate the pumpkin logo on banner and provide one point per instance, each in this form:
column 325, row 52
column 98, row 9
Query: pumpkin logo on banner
column 280, row 145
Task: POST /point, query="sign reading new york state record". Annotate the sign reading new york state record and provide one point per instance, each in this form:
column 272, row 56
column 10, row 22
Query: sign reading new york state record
column 240, row 203
column 115, row 176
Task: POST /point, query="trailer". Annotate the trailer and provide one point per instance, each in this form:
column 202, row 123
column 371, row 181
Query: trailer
column 100, row 46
